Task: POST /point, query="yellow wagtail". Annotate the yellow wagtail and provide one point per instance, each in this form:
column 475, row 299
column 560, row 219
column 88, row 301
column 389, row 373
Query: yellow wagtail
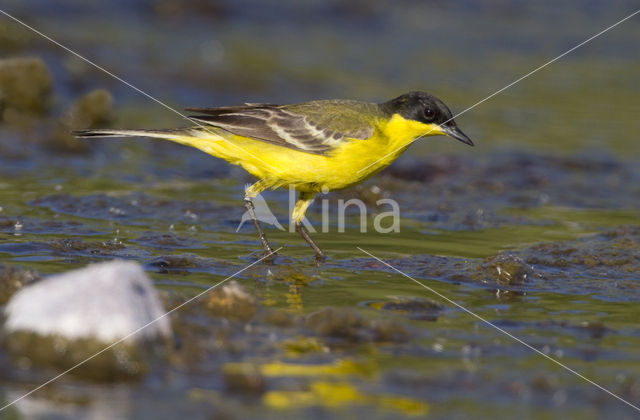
column 314, row 146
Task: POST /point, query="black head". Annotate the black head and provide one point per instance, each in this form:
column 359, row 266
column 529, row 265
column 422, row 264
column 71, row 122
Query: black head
column 427, row 109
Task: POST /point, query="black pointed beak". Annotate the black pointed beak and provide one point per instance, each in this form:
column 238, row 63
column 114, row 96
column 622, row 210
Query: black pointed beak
column 456, row 133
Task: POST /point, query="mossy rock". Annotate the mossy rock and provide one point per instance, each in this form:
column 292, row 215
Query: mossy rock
column 25, row 85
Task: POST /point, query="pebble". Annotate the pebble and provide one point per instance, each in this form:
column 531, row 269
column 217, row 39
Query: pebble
column 106, row 301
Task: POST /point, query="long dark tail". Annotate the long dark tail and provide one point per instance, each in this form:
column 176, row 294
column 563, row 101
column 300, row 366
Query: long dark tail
column 171, row 134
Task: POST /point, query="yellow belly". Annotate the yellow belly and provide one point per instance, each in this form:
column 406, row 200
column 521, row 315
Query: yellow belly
column 348, row 164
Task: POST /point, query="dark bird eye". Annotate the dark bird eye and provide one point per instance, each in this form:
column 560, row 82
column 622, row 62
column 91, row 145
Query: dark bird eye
column 429, row 114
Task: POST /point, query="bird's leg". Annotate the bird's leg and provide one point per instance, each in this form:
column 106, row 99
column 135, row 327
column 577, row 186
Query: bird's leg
column 250, row 193
column 303, row 232
column 304, row 200
column 263, row 238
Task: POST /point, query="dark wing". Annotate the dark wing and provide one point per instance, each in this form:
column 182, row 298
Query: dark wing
column 314, row 127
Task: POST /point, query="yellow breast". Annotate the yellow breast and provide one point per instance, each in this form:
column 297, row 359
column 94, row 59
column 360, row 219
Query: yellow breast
column 358, row 160
column 349, row 164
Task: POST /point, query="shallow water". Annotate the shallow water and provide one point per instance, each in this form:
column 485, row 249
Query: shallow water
column 535, row 230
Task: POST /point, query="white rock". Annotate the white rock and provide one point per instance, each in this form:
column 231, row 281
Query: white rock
column 106, row 301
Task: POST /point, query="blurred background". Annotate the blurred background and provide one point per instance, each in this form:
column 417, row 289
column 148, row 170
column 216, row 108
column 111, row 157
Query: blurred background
column 551, row 192
column 212, row 53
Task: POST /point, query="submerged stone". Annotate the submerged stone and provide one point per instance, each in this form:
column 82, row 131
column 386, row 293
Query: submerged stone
column 79, row 245
column 232, row 301
column 243, row 378
column 340, row 323
column 415, row 308
column 347, row 325
column 508, row 269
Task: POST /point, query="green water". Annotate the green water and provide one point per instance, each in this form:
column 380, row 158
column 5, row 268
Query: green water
column 552, row 189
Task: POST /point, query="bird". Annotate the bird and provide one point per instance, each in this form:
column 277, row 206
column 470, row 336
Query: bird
column 262, row 212
column 315, row 146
